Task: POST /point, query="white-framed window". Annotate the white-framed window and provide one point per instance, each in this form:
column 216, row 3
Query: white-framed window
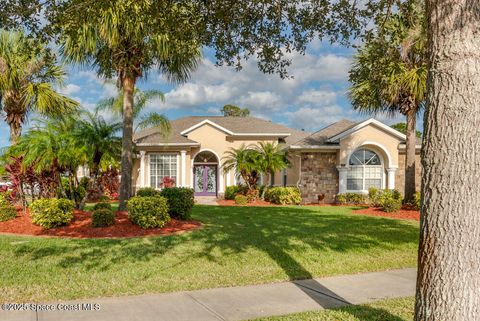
column 365, row 170
column 161, row 166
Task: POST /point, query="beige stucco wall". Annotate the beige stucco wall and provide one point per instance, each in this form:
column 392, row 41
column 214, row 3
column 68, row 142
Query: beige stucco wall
column 380, row 141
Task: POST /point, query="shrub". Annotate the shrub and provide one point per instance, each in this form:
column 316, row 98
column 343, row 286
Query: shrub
column 417, row 198
column 147, row 192
column 231, row 192
column 391, row 200
column 72, row 192
column 7, row 211
column 374, row 195
column 103, row 217
column 180, row 201
column 283, row 195
column 148, row 211
column 241, row 199
column 351, row 199
column 102, row 205
column 252, row 195
column 51, row 212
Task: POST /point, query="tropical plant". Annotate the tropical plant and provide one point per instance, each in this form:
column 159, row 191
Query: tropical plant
column 243, row 160
column 28, row 77
column 389, row 75
column 271, row 158
column 125, row 40
column 100, row 139
column 49, row 146
column 140, row 101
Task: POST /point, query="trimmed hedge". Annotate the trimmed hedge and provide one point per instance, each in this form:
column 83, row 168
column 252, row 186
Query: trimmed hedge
column 147, row 192
column 103, row 217
column 180, row 201
column 283, row 195
column 241, row 199
column 148, row 212
column 351, row 199
column 51, row 212
column 7, row 210
column 102, row 205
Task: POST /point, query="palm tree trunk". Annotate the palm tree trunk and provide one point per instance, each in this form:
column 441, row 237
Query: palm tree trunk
column 448, row 279
column 15, row 130
column 128, row 86
column 410, row 177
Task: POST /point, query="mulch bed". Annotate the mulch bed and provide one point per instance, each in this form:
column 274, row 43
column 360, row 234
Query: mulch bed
column 81, row 227
column 406, row 213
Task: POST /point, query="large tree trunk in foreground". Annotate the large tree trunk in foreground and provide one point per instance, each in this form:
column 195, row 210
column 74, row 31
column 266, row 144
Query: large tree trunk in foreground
column 410, row 177
column 128, row 86
column 448, row 285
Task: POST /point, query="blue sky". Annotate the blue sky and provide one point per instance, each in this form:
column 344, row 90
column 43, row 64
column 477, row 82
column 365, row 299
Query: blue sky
column 312, row 99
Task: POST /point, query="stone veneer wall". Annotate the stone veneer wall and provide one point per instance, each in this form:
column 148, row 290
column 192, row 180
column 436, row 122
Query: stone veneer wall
column 319, row 175
column 400, row 173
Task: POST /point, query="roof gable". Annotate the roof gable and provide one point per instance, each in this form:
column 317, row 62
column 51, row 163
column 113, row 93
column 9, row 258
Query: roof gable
column 369, row 122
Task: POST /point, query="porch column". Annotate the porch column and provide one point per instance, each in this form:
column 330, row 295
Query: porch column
column 391, row 177
column 220, row 178
column 342, row 179
column 183, row 163
column 142, row 168
column 229, row 174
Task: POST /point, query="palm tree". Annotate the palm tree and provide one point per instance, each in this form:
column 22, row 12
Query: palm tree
column 389, row 75
column 50, row 146
column 140, row 100
column 28, row 76
column 244, row 161
column 100, row 138
column 271, row 158
column 124, row 39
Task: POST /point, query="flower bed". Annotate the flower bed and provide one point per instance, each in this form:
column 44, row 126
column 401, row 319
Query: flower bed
column 406, row 213
column 81, row 227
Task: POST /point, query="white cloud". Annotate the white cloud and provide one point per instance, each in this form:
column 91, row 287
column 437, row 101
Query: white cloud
column 317, row 97
column 69, row 89
column 213, row 85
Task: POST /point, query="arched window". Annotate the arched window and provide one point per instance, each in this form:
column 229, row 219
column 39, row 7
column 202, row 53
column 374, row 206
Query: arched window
column 365, row 170
column 205, row 157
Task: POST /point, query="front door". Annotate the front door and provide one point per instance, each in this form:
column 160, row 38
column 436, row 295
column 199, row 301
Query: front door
column 205, row 177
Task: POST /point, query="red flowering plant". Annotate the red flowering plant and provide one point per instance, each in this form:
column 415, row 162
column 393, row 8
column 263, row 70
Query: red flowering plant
column 168, row 182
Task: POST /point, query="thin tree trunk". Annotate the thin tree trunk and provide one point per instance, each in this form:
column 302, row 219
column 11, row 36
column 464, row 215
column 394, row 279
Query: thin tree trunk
column 128, row 86
column 448, row 283
column 410, row 174
column 15, row 131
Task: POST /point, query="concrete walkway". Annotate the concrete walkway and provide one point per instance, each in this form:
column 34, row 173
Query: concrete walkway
column 206, row 200
column 238, row 303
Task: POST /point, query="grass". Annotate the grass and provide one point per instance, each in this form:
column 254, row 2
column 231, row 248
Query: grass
column 236, row 246
column 89, row 206
column 385, row 310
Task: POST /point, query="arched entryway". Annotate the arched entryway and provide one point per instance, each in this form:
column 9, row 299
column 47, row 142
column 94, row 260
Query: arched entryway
column 205, row 169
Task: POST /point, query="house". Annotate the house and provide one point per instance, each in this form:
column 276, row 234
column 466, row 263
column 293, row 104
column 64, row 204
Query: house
column 345, row 156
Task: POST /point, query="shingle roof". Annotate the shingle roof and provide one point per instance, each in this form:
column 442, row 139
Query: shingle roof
column 238, row 125
column 320, row 137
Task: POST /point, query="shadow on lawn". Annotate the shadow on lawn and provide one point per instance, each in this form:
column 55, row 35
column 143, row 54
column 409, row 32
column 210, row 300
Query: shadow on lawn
column 277, row 231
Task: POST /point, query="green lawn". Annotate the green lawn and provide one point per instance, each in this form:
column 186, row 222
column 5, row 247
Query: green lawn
column 236, row 246
column 386, row 310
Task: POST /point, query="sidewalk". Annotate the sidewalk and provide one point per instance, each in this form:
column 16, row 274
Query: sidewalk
column 238, row 303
